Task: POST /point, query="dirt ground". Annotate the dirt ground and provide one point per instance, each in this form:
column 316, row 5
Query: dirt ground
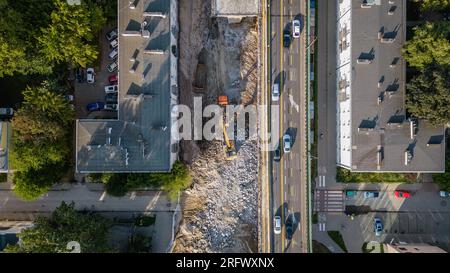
column 220, row 209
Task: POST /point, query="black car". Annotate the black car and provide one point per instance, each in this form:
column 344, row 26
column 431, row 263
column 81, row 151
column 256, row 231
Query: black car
column 80, row 75
column 277, row 154
column 289, row 227
column 111, row 98
column 286, row 38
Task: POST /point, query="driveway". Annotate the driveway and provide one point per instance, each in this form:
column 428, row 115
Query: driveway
column 86, row 93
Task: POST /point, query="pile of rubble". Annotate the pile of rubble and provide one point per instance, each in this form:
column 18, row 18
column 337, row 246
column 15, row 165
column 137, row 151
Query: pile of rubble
column 226, row 195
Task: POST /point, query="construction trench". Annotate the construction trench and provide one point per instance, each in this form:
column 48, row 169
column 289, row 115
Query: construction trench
column 218, row 58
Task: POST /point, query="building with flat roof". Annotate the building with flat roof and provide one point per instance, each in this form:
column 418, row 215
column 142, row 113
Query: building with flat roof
column 235, row 8
column 374, row 131
column 140, row 140
column 412, row 248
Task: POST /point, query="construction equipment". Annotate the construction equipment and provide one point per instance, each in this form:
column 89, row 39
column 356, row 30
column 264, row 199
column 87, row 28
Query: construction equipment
column 229, row 146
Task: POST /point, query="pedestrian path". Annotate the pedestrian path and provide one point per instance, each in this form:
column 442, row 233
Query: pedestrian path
column 328, row 201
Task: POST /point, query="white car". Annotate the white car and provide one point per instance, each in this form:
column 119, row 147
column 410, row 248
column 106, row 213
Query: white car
column 277, row 225
column 90, row 75
column 113, row 54
column 275, row 92
column 444, row 194
column 111, row 89
column 112, row 67
column 111, row 107
column 114, row 43
column 296, row 28
column 287, row 143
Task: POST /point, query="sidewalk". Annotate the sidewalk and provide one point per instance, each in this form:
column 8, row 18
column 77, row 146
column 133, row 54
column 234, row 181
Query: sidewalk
column 322, row 237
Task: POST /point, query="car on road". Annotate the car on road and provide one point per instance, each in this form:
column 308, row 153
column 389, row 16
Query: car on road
column 289, row 227
column 111, row 98
column 113, row 54
column 277, row 225
column 111, row 35
column 6, row 113
column 90, row 75
column 444, row 194
column 277, row 154
column 378, row 226
column 95, row 106
column 286, row 38
column 111, row 89
column 114, row 43
column 113, row 79
column 402, row 194
column 110, row 107
column 275, row 92
column 287, row 143
column 296, row 28
column 112, row 67
column 371, row 194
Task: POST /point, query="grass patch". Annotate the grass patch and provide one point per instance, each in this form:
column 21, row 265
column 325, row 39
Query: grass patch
column 319, row 247
column 346, row 176
column 145, row 221
column 336, row 236
column 118, row 184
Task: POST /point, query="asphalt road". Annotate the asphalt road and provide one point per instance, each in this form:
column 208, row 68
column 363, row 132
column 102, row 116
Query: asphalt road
column 287, row 68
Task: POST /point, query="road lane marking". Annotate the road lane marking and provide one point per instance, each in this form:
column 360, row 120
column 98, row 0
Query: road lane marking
column 283, row 235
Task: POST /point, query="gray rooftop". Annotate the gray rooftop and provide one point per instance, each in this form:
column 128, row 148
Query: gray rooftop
column 379, row 121
column 230, row 8
column 140, row 140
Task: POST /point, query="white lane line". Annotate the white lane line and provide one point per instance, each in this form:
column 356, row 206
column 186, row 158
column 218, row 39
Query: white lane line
column 102, row 197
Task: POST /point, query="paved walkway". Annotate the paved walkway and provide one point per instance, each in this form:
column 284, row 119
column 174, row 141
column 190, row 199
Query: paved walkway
column 323, row 238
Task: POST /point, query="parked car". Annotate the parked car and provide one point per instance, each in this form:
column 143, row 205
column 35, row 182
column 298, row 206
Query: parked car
column 287, row 143
column 444, row 194
column 275, row 92
column 350, row 193
column 113, row 54
column 378, row 226
column 95, row 106
column 90, row 75
column 113, row 79
column 296, row 28
column 111, row 35
column 114, row 43
column 402, row 194
column 6, row 113
column 277, row 225
column 112, row 67
column 111, row 89
column 371, row 194
column 277, row 154
column 69, row 97
column 111, row 98
column 286, row 38
column 80, row 75
column 110, row 107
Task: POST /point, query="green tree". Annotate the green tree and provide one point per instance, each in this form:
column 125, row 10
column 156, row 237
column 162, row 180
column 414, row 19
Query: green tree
column 429, row 45
column 428, row 95
column 71, row 35
column 434, row 4
column 51, row 235
column 443, row 179
column 41, row 140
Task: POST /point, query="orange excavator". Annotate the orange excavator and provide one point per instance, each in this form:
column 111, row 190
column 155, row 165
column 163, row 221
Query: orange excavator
column 229, row 147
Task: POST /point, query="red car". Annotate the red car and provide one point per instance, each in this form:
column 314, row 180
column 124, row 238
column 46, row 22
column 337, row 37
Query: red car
column 402, row 194
column 113, row 79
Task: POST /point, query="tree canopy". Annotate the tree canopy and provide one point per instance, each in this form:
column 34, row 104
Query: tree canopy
column 51, row 235
column 429, row 96
column 430, row 45
column 41, row 141
column 70, row 37
column 434, row 4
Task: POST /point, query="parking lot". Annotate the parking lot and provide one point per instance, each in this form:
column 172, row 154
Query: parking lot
column 86, row 93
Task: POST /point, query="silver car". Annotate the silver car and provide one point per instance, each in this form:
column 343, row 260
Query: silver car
column 287, row 143
column 277, row 225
